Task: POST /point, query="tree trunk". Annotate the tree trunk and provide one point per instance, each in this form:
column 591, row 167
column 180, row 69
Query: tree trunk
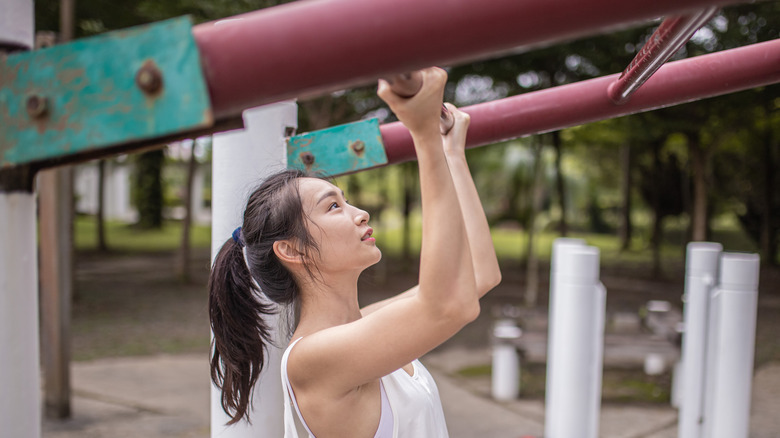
column 101, row 207
column 148, row 188
column 409, row 175
column 699, row 211
column 184, row 250
column 658, row 215
column 563, row 227
column 532, row 267
column 768, row 239
column 625, row 191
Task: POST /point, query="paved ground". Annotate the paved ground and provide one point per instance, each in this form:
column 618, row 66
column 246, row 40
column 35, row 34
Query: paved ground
column 155, row 396
column 168, row 396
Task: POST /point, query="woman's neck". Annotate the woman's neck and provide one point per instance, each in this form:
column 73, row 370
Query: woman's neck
column 328, row 302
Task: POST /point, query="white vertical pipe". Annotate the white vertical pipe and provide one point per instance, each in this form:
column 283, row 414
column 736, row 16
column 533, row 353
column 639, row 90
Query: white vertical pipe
column 505, row 372
column 735, row 301
column 17, row 24
column 241, row 159
column 578, row 344
column 20, row 381
column 597, row 339
column 701, row 272
column 552, row 392
column 505, row 375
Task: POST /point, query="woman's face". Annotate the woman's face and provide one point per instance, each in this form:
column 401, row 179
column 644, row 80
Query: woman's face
column 341, row 230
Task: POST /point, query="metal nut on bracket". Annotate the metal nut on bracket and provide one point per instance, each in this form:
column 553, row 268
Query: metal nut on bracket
column 358, row 146
column 149, row 78
column 307, row 158
column 37, row 106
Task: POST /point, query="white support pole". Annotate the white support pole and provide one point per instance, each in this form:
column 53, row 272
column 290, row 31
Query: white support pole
column 730, row 368
column 577, row 346
column 701, row 272
column 597, row 342
column 20, row 380
column 241, row 159
column 553, row 393
column 17, row 27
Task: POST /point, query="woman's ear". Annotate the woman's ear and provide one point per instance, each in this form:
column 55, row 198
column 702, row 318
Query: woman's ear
column 287, row 252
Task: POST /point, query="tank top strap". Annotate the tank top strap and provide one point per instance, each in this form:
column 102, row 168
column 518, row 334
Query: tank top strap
column 290, row 430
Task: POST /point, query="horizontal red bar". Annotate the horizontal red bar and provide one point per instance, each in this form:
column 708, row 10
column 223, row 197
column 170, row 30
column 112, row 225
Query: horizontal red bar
column 587, row 101
column 312, row 47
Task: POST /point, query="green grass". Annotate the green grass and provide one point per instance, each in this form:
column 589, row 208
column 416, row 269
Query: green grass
column 127, row 238
column 619, row 385
column 510, row 244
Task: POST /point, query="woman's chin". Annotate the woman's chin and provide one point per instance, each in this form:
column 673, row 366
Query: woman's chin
column 376, row 260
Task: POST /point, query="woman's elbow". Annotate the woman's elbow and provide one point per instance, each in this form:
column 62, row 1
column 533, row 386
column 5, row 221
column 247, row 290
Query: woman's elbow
column 462, row 311
column 488, row 282
column 472, row 312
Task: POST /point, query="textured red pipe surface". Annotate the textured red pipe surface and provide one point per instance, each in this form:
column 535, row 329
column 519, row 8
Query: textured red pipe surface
column 672, row 34
column 587, row 101
column 312, row 47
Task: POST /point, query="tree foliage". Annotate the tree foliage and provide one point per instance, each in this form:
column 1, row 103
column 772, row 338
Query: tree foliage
column 726, row 146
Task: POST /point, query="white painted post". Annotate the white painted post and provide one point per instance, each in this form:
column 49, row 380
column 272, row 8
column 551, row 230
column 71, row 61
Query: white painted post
column 20, row 378
column 241, row 159
column 577, row 346
column 552, row 392
column 20, row 403
column 730, row 370
column 701, row 272
column 17, row 27
column 597, row 340
column 505, row 375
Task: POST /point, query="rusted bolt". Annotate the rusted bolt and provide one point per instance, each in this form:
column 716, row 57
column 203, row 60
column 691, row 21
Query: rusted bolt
column 358, row 146
column 307, row 158
column 37, row 106
column 149, row 78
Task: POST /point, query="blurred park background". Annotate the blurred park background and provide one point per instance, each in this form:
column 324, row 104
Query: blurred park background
column 638, row 187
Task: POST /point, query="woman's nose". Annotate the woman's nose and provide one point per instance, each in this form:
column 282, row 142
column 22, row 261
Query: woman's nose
column 361, row 216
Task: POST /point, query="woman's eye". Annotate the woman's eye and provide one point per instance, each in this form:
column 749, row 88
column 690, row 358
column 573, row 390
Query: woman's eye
column 333, row 205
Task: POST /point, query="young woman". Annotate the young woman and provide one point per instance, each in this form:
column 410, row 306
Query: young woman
column 352, row 372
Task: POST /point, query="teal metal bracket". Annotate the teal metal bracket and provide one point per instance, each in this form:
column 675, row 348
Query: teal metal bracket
column 338, row 150
column 87, row 97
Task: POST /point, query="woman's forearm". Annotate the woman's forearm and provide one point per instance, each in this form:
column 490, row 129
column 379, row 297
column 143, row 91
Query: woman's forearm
column 483, row 255
column 446, row 271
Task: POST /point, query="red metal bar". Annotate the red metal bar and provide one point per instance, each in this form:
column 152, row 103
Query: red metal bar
column 583, row 102
column 408, row 84
column 672, row 34
column 312, row 47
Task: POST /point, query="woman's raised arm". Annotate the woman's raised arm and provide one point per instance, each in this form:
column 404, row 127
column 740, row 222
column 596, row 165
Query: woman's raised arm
column 352, row 354
column 487, row 273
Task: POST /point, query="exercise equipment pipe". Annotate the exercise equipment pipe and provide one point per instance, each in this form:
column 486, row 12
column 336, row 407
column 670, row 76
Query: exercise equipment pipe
column 409, row 84
column 574, row 104
column 308, row 48
column 672, row 34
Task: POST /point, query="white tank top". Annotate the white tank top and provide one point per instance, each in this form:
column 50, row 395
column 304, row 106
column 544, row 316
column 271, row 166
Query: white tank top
column 413, row 401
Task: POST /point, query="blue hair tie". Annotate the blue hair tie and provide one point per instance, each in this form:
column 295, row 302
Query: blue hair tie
column 237, row 237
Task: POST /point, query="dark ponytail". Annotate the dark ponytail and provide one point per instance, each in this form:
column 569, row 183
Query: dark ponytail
column 240, row 334
column 236, row 304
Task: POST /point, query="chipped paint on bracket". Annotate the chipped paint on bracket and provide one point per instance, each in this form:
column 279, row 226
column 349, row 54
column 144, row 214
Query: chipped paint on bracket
column 338, row 150
column 91, row 95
